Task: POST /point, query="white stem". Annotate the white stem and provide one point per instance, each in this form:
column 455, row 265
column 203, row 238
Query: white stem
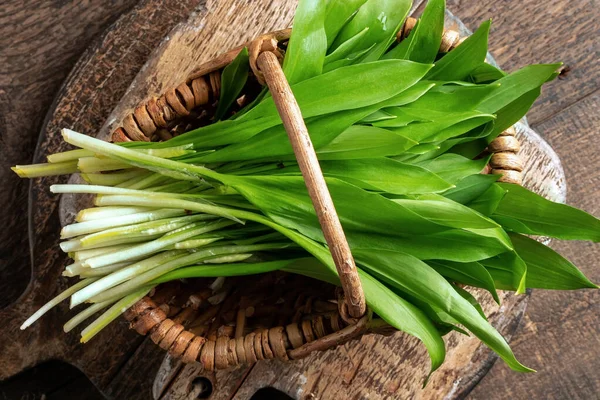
column 46, row 307
column 122, row 275
column 112, row 313
column 90, row 214
column 82, row 228
column 155, row 245
column 85, row 314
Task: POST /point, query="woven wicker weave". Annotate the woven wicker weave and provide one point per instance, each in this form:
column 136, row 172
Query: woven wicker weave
column 274, row 315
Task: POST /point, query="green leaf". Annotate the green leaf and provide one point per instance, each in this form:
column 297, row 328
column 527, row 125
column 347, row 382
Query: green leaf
column 453, row 167
column 486, row 73
column 454, row 245
column 458, row 63
column 386, row 175
column 472, row 274
column 416, row 278
column 404, row 316
column 471, row 299
column 344, row 88
column 323, row 130
column 382, row 17
column 337, row 15
column 307, row 46
column 285, row 200
column 338, row 90
column 347, row 48
column 446, row 212
column 425, row 39
column 471, row 188
column 233, row 80
column 360, row 141
column 508, row 270
column 443, row 125
column 489, row 200
column 453, row 98
column 393, row 309
column 516, row 85
column 509, row 115
column 525, row 212
column 546, row 269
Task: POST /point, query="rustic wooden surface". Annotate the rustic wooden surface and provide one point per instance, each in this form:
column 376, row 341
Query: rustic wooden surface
column 569, row 366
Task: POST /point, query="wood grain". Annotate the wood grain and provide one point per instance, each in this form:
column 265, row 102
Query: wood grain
column 84, row 102
column 532, row 32
column 38, row 49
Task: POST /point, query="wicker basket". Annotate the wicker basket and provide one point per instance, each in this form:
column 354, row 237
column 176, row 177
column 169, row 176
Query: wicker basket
column 273, row 315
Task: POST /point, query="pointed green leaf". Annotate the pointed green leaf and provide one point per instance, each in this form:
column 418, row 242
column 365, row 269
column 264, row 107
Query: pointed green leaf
column 458, row 63
column 416, row 278
column 525, row 212
column 546, row 269
column 307, row 46
column 472, row 274
column 233, row 79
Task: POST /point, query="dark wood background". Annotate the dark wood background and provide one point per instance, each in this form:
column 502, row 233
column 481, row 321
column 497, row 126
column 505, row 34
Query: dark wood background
column 41, row 40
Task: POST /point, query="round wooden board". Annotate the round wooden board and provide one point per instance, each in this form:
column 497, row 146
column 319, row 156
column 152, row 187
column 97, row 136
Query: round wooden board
column 124, row 365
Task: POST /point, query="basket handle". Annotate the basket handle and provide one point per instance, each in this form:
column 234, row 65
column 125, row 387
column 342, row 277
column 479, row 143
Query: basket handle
column 289, row 111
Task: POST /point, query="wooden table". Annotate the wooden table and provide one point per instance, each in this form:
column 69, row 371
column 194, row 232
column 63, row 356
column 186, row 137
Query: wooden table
column 559, row 335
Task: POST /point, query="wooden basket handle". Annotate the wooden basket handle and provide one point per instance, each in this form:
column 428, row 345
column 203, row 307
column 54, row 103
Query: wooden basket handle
column 287, row 106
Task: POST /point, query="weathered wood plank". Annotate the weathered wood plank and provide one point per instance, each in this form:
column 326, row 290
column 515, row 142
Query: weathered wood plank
column 95, row 85
column 39, row 44
column 530, row 31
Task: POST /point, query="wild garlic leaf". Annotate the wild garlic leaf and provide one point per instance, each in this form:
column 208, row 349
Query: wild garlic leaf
column 274, row 142
column 516, row 84
column 385, row 303
column 523, row 211
column 442, row 126
column 453, row 245
column 508, row 271
column 233, row 79
column 338, row 13
column 471, row 299
column 489, row 200
column 453, row 98
column 338, row 90
column 413, row 276
column 458, row 63
column 425, row 39
column 382, row 17
column 377, row 116
column 472, row 274
column 307, row 46
column 471, row 188
column 446, row 212
column 347, row 48
column 362, row 141
column 285, row 200
column 404, row 316
column 454, row 167
column 385, row 175
column 486, row 73
column 512, row 113
column 344, row 88
column 323, row 130
column 546, row 269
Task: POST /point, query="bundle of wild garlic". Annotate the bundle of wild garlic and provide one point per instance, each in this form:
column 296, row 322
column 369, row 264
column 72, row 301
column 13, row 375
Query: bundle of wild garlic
column 396, row 128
